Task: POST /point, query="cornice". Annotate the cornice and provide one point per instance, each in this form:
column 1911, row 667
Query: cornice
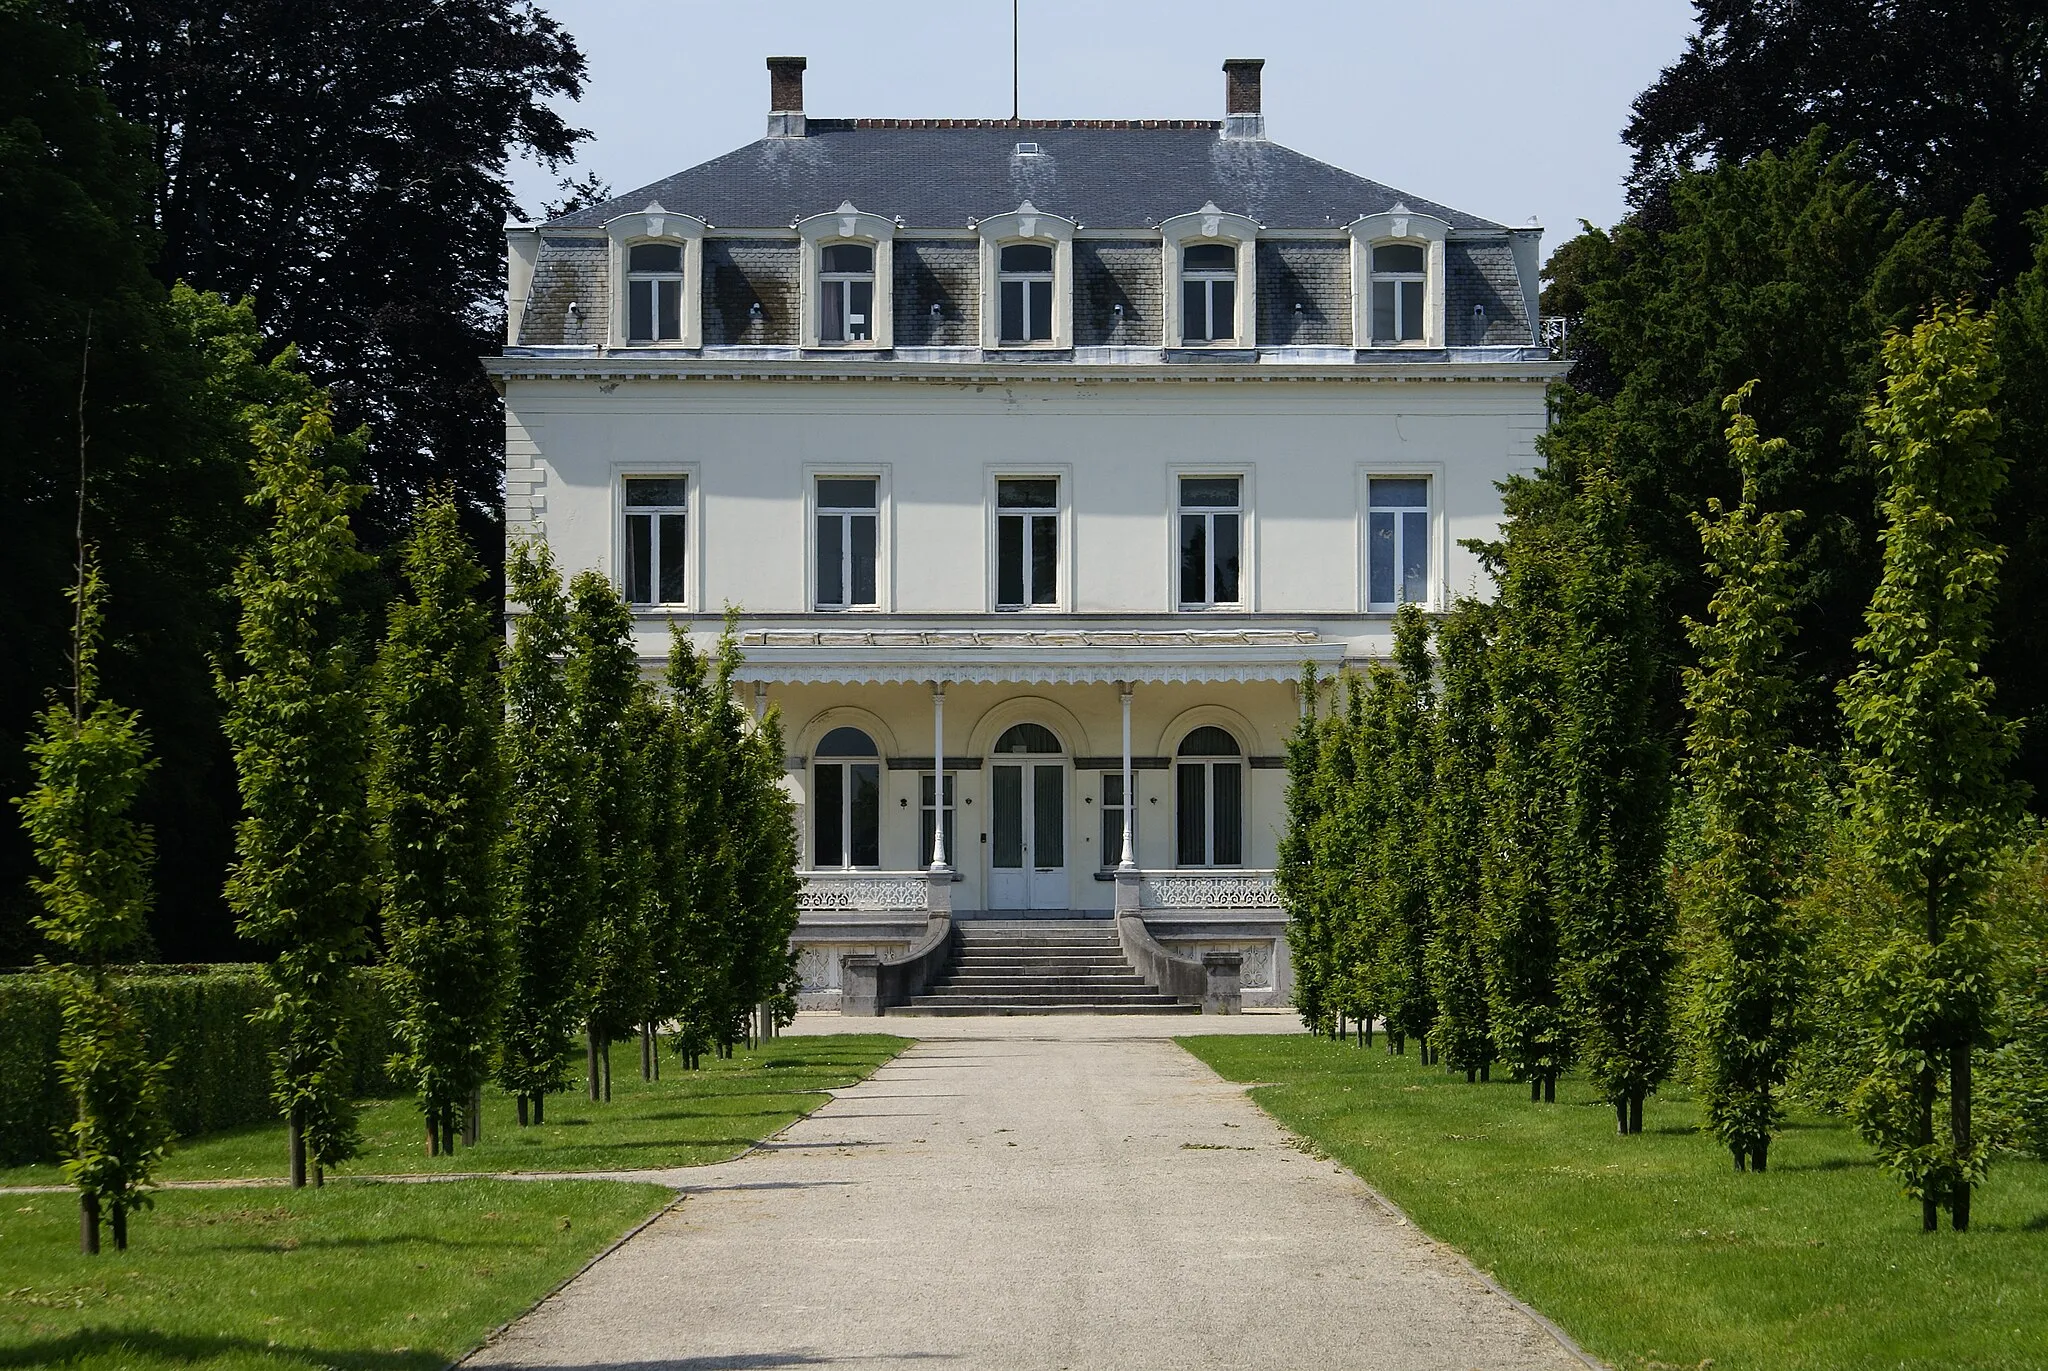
column 599, row 368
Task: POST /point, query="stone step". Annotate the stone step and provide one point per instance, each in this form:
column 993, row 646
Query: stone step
column 966, row 1010
column 1050, row 964
column 940, row 996
column 1063, row 984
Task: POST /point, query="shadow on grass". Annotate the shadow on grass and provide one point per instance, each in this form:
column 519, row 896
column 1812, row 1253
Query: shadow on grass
column 1827, row 1164
column 2037, row 1224
column 130, row 1346
column 294, row 1244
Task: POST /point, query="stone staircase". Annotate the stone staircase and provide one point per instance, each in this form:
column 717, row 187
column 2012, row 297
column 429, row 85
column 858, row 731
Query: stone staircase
column 1041, row 966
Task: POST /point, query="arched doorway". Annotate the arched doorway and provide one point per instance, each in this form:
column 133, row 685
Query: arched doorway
column 846, row 801
column 1027, row 843
column 1209, row 799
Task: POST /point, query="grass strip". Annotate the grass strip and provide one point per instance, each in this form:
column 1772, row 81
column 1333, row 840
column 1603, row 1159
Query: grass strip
column 687, row 1118
column 358, row 1276
column 1651, row 1251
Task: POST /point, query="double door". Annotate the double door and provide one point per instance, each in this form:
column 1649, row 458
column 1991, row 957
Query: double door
column 1028, row 836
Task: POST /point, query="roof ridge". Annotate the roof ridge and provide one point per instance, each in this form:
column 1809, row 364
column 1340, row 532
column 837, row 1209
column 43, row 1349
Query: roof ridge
column 842, row 125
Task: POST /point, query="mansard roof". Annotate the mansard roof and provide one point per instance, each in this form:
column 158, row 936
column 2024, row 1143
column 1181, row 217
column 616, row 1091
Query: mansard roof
column 941, row 173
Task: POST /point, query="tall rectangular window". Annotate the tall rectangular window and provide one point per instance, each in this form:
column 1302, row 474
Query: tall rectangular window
column 925, row 814
column 654, row 293
column 657, row 543
column 1398, row 274
column 1027, row 542
column 1211, row 541
column 1024, row 285
column 846, row 293
column 1113, row 820
column 846, row 542
column 1397, row 541
column 1208, row 289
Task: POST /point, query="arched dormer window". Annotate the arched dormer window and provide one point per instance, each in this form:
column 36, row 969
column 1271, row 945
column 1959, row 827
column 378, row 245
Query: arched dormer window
column 1210, row 273
column 847, row 256
column 1027, row 276
column 1397, row 267
column 657, row 271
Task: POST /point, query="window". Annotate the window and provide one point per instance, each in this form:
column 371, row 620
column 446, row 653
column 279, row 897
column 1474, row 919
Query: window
column 1208, row 293
column 1113, row 820
column 846, row 542
column 924, row 820
column 1209, row 785
column 846, row 294
column 1397, row 278
column 1025, row 288
column 654, row 292
column 1397, row 541
column 846, row 801
column 657, row 539
column 1210, row 541
column 1027, row 542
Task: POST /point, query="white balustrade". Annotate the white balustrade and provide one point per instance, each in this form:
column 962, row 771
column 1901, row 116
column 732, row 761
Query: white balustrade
column 1208, row 890
column 879, row 891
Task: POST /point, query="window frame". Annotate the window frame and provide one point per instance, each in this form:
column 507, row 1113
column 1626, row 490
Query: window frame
column 885, row 595
column 841, row 226
column 1207, row 765
column 1026, row 225
column 1212, row 226
column 657, row 279
column 1062, row 515
column 1398, row 279
column 1437, row 562
column 1245, row 561
column 1048, row 278
column 813, row 787
column 950, row 806
column 1398, row 227
column 1208, row 278
column 845, row 279
column 693, row 537
column 657, row 226
column 1112, row 854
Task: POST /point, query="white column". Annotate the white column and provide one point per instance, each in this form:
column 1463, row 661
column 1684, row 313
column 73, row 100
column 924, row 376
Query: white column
column 760, row 700
column 1130, row 861
column 939, row 776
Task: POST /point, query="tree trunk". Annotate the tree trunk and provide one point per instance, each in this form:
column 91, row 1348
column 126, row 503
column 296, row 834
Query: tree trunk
column 540, row 1107
column 120, row 1222
column 605, row 1064
column 1471, row 1075
column 319, row 1176
column 1960, row 1087
column 89, row 1223
column 1550, row 1086
column 1621, row 1115
column 1923, row 1134
column 1760, row 1155
column 1485, row 1071
column 295, row 1129
column 590, row 1051
column 522, row 1109
column 433, row 1135
column 1635, row 1112
column 646, row 1051
column 473, row 1122
column 1365, row 1032
column 1536, row 1088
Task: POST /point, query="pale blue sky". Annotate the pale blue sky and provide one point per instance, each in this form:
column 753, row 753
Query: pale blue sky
column 1503, row 108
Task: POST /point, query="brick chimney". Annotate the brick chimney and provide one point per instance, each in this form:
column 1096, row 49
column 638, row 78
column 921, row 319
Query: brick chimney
column 1242, row 117
column 786, row 96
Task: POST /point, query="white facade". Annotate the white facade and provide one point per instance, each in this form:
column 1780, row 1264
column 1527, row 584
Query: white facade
column 1084, row 610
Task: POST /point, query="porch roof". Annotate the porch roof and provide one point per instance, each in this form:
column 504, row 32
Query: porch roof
column 837, row 656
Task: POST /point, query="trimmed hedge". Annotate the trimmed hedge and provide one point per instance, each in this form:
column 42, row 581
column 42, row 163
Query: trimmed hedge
column 201, row 1017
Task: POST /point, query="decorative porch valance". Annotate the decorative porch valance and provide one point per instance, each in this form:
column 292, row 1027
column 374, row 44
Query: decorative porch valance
column 1052, row 657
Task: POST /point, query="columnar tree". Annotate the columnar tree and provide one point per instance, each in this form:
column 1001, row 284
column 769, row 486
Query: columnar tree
column 303, row 879
column 438, row 799
column 1616, row 922
column 1524, row 799
column 1462, row 753
column 1928, row 770
column 90, row 759
column 549, row 875
column 1349, row 851
column 1300, row 875
column 604, row 685
column 1747, row 981
column 1399, row 894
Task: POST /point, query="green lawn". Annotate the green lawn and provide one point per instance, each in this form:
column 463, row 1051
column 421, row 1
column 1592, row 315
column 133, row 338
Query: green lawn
column 1650, row 1250
column 359, row 1276
column 685, row 1119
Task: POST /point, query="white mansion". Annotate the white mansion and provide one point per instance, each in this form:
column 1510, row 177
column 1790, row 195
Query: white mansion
column 1040, row 456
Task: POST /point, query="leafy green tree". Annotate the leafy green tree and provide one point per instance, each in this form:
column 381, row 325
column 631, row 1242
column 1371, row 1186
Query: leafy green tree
column 1524, row 797
column 1940, row 102
column 548, row 857
column 1353, row 855
column 702, row 885
column 2018, row 656
column 603, row 677
column 1300, row 876
column 1398, row 893
column 90, row 761
column 438, row 800
column 1617, row 925
column 1928, row 772
column 346, row 166
column 1462, row 751
column 1748, row 984
column 303, row 880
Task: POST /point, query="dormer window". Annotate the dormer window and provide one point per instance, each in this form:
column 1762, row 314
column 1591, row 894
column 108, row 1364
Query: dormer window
column 1208, row 284
column 654, row 293
column 846, row 293
column 1399, row 275
column 1026, row 293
